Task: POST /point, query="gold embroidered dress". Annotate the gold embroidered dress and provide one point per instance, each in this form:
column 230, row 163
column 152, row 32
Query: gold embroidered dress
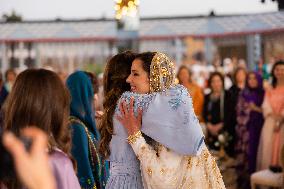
column 170, row 170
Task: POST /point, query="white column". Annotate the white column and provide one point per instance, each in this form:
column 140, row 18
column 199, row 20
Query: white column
column 253, row 50
column 37, row 55
column 209, row 50
column 179, row 50
column 21, row 56
column 4, row 57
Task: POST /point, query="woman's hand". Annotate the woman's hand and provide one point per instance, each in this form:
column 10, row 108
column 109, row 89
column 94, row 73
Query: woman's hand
column 131, row 123
column 32, row 168
column 278, row 122
column 254, row 107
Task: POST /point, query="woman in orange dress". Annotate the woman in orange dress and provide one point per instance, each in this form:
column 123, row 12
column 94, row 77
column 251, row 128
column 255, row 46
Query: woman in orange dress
column 185, row 79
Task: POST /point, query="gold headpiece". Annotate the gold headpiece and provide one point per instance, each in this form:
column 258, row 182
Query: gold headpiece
column 162, row 73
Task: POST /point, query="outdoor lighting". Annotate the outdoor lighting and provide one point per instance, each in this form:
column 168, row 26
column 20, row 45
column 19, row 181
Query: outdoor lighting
column 136, row 2
column 126, row 8
column 130, row 4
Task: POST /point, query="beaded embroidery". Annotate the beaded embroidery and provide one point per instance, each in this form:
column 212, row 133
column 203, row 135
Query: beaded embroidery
column 178, row 95
column 162, row 74
column 140, row 100
column 133, row 138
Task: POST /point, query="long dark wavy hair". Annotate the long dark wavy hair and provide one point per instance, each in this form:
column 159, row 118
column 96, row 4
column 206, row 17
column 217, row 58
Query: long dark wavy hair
column 274, row 79
column 116, row 72
column 39, row 98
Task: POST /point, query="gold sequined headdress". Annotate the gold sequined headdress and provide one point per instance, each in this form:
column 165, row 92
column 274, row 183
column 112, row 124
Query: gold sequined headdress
column 162, row 73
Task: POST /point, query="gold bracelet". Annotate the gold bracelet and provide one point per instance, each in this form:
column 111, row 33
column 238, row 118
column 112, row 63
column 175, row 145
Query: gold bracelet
column 132, row 138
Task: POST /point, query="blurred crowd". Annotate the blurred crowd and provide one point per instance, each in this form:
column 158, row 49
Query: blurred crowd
column 241, row 112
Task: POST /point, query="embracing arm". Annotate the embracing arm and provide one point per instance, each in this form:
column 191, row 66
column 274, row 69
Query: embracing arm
column 158, row 170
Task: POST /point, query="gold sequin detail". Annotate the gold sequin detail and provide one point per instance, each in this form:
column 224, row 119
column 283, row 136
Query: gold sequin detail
column 174, row 181
column 162, row 171
column 143, row 148
column 162, row 74
column 182, row 182
column 149, row 171
column 189, row 162
column 133, row 138
column 190, row 181
column 198, row 162
column 206, row 155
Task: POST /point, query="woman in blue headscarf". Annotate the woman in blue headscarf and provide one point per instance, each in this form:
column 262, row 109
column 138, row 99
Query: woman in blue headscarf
column 92, row 172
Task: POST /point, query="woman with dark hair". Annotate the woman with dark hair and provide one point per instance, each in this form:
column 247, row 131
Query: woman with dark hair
column 185, row 78
column 248, row 129
column 92, row 172
column 272, row 135
column 215, row 111
column 239, row 82
column 171, row 150
column 44, row 103
column 124, row 166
